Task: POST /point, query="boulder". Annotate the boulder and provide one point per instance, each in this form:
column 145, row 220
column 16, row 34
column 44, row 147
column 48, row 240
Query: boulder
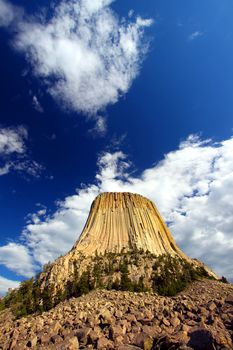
column 68, row 344
column 116, row 331
column 165, row 322
column 212, row 306
column 104, row 344
column 175, row 322
column 82, row 334
column 143, row 340
column 56, row 339
column 44, row 339
column 106, row 316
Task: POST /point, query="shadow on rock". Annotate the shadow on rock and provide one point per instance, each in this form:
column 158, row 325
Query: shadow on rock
column 201, row 339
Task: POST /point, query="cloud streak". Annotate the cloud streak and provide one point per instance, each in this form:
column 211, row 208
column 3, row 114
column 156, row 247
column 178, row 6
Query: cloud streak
column 191, row 187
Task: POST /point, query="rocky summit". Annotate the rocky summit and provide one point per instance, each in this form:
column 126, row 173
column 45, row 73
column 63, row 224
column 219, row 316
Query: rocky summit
column 124, row 285
column 200, row 318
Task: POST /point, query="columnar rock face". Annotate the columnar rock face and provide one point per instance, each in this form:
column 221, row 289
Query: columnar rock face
column 125, row 221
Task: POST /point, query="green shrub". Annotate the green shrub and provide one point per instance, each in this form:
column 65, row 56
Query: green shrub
column 224, row 280
column 172, row 274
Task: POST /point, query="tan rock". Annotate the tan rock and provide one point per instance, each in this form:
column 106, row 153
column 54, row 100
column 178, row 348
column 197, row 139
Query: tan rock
column 175, row 322
column 55, row 327
column 44, row 339
column 143, row 340
column 56, row 339
column 72, row 344
column 106, row 316
column 118, row 314
column 94, row 335
column 118, row 221
column 83, row 334
column 116, row 331
column 212, row 306
column 165, row 322
column 104, row 344
column 32, row 342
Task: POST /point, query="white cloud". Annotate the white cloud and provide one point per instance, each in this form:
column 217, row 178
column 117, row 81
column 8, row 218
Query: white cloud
column 9, row 13
column 37, row 105
column 12, row 140
column 16, row 257
column 13, row 152
column 5, row 284
column 86, row 56
column 100, row 127
column 195, row 35
column 192, row 187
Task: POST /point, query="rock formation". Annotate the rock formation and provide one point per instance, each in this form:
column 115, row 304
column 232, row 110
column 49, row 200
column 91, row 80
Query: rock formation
column 125, row 221
column 117, row 223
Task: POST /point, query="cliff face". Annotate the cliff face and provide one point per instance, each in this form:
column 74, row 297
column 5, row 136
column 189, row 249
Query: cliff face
column 125, row 221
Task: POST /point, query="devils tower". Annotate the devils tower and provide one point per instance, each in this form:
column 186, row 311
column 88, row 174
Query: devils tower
column 125, row 221
column 118, row 224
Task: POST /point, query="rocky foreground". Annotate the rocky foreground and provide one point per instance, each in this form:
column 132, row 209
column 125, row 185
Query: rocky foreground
column 201, row 317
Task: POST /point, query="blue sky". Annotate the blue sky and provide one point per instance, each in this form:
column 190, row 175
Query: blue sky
column 146, row 107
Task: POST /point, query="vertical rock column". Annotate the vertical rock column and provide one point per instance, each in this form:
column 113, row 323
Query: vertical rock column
column 125, row 221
